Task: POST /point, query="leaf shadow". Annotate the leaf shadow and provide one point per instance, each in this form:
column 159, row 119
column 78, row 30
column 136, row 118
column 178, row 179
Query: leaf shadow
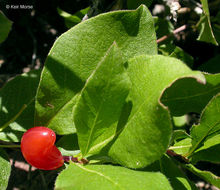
column 130, row 21
column 123, row 119
column 59, row 84
column 63, row 75
column 67, row 81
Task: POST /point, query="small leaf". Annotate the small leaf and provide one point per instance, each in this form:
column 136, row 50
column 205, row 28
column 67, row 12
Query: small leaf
column 179, row 134
column 180, row 121
column 146, row 132
column 209, row 125
column 175, row 175
column 109, row 177
column 187, row 95
column 5, row 168
column 182, row 147
column 17, row 105
column 72, row 20
column 206, row 33
column 68, row 145
column 76, row 54
column 100, row 103
column 209, row 151
column 206, row 175
column 175, row 51
column 5, row 27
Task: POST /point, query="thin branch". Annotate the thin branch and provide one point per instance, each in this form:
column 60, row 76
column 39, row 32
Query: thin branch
column 9, row 146
column 180, row 29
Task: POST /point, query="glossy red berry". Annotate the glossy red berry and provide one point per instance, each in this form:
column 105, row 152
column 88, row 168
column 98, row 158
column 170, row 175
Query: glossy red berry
column 37, row 147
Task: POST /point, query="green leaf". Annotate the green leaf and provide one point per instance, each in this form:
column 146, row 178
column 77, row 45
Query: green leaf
column 76, row 54
column 17, row 105
column 179, row 134
column 5, row 27
column 175, row 175
column 206, row 175
column 209, row 125
column 101, row 100
column 187, row 95
column 182, row 147
column 209, row 151
column 72, row 20
column 180, row 121
column 109, row 177
column 131, row 4
column 5, row 168
column 206, row 33
column 146, row 130
column 68, row 145
column 175, row 51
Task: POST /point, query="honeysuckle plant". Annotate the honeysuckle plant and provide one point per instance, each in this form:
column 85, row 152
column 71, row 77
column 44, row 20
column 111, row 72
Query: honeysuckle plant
column 116, row 104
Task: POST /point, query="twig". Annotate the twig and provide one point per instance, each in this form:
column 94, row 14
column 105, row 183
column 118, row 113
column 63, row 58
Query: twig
column 9, row 146
column 180, row 29
column 177, row 156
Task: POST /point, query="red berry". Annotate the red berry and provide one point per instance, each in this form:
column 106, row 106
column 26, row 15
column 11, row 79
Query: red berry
column 37, row 147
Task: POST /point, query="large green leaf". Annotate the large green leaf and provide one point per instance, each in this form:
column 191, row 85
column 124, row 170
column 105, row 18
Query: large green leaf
column 146, row 131
column 206, row 175
column 109, row 177
column 76, row 54
column 187, row 95
column 101, row 100
column 206, row 33
column 209, row 125
column 175, row 175
column 17, row 105
column 5, row 27
column 5, row 168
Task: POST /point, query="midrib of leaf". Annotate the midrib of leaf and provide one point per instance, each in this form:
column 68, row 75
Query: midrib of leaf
column 101, row 143
column 101, row 175
column 194, row 170
column 97, row 115
column 69, row 101
column 191, row 96
column 179, row 147
column 203, row 137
